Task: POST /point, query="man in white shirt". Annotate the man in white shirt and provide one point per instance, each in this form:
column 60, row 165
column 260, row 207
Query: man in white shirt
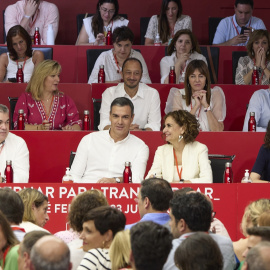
column 31, row 14
column 12, row 148
column 146, row 99
column 229, row 32
column 101, row 156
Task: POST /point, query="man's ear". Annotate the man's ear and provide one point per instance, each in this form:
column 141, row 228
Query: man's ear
column 146, row 203
column 181, row 225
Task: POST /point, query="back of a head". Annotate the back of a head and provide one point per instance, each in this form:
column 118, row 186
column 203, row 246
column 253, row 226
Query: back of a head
column 158, row 191
column 50, row 253
column 263, row 232
column 11, row 205
column 264, row 219
column 194, row 209
column 30, row 239
column 82, row 204
column 198, row 252
column 106, row 218
column 120, row 250
column 258, row 257
column 150, row 244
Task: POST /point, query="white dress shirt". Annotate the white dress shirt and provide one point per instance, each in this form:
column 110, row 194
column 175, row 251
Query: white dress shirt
column 99, row 156
column 146, row 106
column 15, row 149
column 111, row 69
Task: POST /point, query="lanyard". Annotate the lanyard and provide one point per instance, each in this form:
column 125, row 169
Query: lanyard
column 4, row 257
column 23, row 63
column 236, row 27
column 14, row 228
column 47, row 115
column 31, row 24
column 116, row 62
column 179, row 173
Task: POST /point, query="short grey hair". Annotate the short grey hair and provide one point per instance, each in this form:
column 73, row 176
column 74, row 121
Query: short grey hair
column 255, row 260
column 4, row 109
column 41, row 263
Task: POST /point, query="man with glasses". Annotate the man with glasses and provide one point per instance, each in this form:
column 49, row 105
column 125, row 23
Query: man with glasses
column 31, row 14
column 12, row 148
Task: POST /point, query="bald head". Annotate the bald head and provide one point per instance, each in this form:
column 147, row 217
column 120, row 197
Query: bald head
column 50, row 252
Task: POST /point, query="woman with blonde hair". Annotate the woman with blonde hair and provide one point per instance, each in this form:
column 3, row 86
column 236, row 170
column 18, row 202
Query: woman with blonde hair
column 35, row 209
column 250, row 219
column 45, row 107
column 120, row 251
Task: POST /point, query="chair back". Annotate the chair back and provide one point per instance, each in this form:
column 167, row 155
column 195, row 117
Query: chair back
column 144, row 21
column 212, row 57
column 47, row 51
column 213, row 23
column 235, row 58
column 4, row 31
column 12, row 105
column 96, row 108
column 71, row 158
column 218, row 166
column 80, row 18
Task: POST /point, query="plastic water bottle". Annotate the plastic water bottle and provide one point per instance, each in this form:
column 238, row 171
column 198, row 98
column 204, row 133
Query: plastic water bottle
column 67, row 178
column 157, row 41
column 50, row 35
column 246, row 178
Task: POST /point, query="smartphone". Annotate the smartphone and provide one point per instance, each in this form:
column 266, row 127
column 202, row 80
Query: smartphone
column 14, row 80
column 243, row 29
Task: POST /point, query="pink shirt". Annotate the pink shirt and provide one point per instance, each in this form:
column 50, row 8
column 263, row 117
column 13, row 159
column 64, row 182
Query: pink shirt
column 64, row 111
column 47, row 13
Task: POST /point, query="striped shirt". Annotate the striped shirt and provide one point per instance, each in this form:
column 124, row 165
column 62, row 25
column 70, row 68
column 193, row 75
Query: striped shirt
column 96, row 259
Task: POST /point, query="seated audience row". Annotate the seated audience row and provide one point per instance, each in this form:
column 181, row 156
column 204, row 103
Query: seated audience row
column 233, row 30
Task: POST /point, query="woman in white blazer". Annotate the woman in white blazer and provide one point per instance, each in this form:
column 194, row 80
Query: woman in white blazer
column 182, row 159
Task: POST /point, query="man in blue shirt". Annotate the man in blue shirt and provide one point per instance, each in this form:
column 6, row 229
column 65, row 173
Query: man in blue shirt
column 228, row 32
column 153, row 201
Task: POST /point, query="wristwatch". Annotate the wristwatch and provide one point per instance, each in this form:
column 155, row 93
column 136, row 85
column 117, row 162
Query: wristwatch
column 118, row 181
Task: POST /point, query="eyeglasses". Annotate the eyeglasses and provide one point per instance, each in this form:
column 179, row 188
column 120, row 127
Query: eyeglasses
column 105, row 10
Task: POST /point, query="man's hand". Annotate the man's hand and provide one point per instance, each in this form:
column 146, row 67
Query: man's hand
column 106, row 180
column 239, row 39
column 134, row 127
column 30, row 7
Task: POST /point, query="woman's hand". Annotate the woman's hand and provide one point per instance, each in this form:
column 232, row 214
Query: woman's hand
column 46, row 125
column 182, row 59
column 200, row 98
column 67, row 127
column 100, row 39
column 260, row 57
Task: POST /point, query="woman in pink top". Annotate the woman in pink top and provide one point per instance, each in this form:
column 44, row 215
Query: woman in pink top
column 45, row 108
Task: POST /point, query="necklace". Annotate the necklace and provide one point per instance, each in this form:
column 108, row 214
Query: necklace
column 178, row 172
column 47, row 114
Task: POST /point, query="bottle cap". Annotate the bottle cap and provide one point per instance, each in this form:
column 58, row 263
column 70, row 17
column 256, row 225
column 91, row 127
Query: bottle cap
column 228, row 164
column 9, row 162
column 20, row 66
column 157, row 36
column 252, row 113
column 37, row 29
column 172, row 67
column 67, row 170
column 101, row 66
column 254, row 68
column 85, row 112
column 127, row 163
column 246, row 173
column 21, row 111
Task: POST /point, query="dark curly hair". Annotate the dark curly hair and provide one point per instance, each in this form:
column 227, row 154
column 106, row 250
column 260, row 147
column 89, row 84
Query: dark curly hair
column 189, row 121
column 267, row 137
column 255, row 36
column 82, row 204
column 194, row 41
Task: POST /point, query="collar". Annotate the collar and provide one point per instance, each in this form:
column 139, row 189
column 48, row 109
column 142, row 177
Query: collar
column 108, row 136
column 236, row 24
column 121, row 90
column 186, row 235
column 155, row 216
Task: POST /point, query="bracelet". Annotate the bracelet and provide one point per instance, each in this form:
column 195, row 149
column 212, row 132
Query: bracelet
column 26, row 16
column 207, row 109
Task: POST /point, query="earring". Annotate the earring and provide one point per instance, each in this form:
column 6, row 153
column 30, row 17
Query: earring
column 191, row 51
column 174, row 48
column 180, row 138
column 205, row 85
column 188, row 85
column 252, row 52
column 267, row 52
